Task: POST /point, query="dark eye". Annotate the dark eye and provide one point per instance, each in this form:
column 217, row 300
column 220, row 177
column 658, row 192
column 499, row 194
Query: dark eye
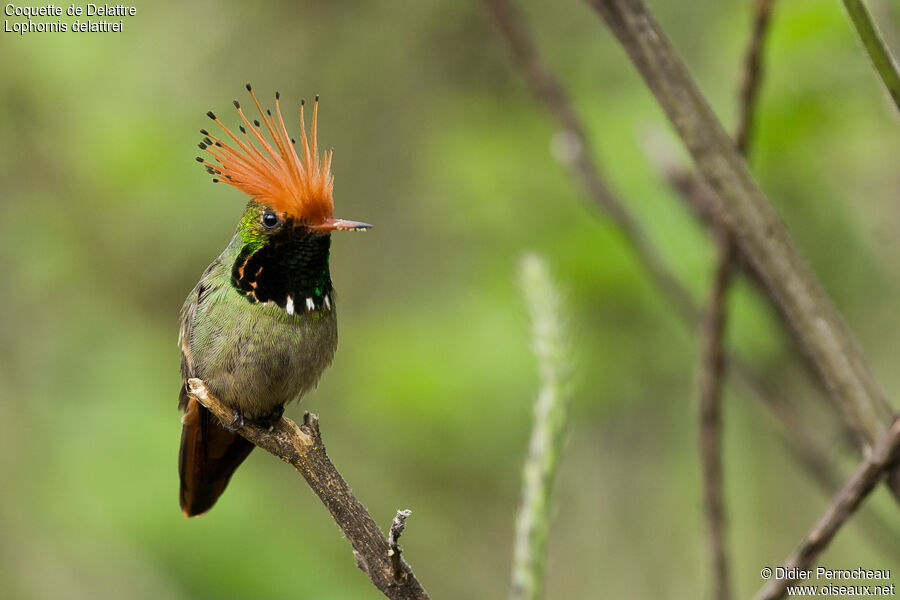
column 270, row 220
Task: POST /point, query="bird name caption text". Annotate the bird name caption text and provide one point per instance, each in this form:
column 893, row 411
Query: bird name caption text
column 58, row 18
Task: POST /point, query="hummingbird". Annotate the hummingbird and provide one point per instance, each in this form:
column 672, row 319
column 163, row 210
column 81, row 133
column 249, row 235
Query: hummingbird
column 260, row 327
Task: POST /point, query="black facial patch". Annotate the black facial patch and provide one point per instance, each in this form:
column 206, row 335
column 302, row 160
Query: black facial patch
column 293, row 262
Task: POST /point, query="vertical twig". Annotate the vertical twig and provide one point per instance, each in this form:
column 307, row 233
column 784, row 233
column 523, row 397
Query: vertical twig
column 752, row 75
column 712, row 359
column 874, row 44
column 861, row 483
column 545, row 446
column 712, row 365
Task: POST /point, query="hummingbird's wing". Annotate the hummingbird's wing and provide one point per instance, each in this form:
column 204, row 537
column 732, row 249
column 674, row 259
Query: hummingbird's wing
column 197, row 295
column 209, row 453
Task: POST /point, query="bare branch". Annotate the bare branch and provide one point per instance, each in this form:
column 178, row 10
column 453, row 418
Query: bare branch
column 302, row 447
column 712, row 359
column 712, row 365
column 545, row 445
column 857, row 488
column 878, row 51
column 759, row 232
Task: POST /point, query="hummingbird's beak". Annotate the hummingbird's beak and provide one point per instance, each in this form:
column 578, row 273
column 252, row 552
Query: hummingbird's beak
column 340, row 225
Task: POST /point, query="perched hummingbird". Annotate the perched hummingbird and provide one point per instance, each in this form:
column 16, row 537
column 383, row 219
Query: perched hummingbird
column 260, row 326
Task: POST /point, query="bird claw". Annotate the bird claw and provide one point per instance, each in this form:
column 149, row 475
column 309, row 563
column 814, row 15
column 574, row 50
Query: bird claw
column 237, row 422
column 268, row 421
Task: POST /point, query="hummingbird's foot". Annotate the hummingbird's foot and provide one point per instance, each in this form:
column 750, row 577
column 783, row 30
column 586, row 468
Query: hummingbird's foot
column 237, row 422
column 268, row 421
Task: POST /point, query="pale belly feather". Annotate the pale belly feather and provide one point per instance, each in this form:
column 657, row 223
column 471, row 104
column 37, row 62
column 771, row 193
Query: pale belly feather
column 256, row 357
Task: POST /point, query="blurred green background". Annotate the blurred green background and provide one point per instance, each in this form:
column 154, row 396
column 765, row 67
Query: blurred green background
column 106, row 222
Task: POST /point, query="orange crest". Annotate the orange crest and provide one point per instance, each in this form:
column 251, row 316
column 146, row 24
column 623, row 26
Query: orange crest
column 273, row 173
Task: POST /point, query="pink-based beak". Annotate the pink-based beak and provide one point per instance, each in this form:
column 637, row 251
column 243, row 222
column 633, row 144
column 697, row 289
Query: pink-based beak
column 340, row 225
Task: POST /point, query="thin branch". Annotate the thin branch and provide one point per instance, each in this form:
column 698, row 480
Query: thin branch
column 760, row 234
column 844, row 504
column 712, row 359
column 878, row 51
column 545, row 446
column 712, row 366
column 302, row 447
column 753, row 75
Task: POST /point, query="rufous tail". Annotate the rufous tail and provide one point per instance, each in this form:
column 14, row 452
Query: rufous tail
column 208, row 457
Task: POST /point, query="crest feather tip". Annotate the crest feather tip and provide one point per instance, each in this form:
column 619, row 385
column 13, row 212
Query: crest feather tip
column 266, row 165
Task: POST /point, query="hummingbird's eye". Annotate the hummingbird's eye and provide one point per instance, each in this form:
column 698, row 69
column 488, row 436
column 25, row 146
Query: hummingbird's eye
column 270, row 220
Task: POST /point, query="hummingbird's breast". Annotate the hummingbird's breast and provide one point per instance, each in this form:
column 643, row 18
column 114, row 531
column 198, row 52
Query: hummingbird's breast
column 277, row 360
column 257, row 356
